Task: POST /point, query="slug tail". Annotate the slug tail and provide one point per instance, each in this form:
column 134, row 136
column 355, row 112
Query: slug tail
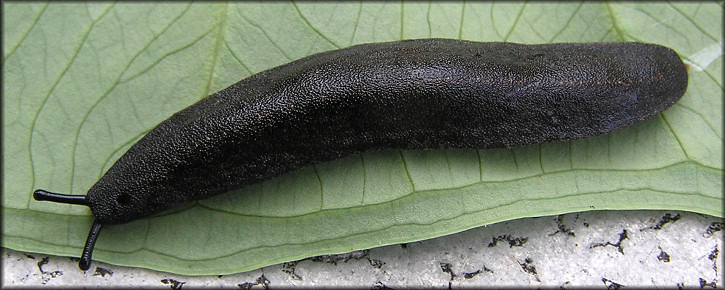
column 85, row 262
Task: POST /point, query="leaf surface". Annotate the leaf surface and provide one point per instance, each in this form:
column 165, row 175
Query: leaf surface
column 83, row 82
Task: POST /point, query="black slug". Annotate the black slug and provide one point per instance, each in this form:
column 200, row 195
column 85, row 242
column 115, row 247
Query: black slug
column 411, row 94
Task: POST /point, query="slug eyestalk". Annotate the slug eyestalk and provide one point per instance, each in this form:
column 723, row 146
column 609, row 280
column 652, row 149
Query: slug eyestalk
column 42, row 195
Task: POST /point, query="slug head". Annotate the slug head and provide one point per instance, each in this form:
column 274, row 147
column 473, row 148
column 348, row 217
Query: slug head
column 110, row 204
column 115, row 202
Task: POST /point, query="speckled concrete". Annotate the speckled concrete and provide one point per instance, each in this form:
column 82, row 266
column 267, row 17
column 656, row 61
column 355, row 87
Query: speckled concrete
column 601, row 248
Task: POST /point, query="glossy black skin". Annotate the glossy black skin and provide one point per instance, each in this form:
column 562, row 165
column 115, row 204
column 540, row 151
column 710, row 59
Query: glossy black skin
column 414, row 94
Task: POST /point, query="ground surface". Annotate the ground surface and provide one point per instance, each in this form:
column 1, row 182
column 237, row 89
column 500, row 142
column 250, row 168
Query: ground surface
column 607, row 249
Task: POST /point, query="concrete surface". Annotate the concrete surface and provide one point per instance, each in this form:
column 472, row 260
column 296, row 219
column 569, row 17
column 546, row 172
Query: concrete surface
column 605, row 249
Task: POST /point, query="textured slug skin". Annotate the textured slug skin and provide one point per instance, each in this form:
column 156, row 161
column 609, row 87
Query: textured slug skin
column 414, row 94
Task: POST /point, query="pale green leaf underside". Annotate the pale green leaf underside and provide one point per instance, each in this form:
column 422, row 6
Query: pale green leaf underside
column 82, row 82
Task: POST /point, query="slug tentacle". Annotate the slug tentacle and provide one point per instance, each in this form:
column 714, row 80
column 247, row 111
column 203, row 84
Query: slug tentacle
column 85, row 261
column 43, row 195
column 59, row 197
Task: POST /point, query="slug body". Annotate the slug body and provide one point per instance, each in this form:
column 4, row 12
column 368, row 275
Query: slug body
column 413, row 94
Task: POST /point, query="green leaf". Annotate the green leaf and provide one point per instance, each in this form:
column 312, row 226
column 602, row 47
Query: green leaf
column 82, row 82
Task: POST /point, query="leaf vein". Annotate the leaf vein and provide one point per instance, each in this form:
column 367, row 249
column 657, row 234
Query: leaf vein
column 218, row 43
column 239, row 60
column 568, row 22
column 460, row 26
column 264, row 32
column 516, row 21
column 692, row 21
column 312, row 26
column 84, row 119
column 357, row 22
column 26, row 33
column 712, row 128
column 664, row 118
column 613, row 19
column 50, row 92
column 530, row 177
